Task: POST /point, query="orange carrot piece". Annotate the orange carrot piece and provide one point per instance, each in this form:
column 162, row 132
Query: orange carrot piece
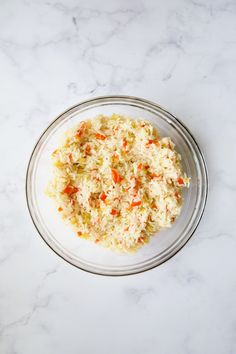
column 80, row 130
column 70, row 157
column 180, row 180
column 88, row 149
column 69, row 190
column 103, row 196
column 115, row 176
column 100, row 136
column 115, row 212
column 156, row 142
column 154, row 175
column 134, row 204
column 125, row 143
column 140, row 166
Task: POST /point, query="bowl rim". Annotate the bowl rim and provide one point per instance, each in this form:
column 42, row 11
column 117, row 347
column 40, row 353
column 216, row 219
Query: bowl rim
column 126, row 98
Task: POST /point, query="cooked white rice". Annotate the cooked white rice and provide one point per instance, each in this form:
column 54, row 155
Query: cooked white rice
column 116, row 181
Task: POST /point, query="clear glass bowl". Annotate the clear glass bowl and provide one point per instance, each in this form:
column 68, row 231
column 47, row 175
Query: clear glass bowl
column 85, row 254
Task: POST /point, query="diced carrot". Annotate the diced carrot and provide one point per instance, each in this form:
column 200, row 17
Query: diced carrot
column 115, row 176
column 80, row 130
column 134, row 204
column 125, row 143
column 103, row 196
column 180, row 180
column 88, row 149
column 100, row 136
column 79, row 233
column 97, row 240
column 70, row 190
column 141, row 239
column 154, row 175
column 59, row 209
column 115, row 212
column 126, row 229
column 78, row 134
column 152, row 142
column 70, row 157
column 140, row 166
column 135, row 193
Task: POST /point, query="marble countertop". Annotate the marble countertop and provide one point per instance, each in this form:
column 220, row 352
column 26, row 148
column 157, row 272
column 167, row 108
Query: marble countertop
column 180, row 54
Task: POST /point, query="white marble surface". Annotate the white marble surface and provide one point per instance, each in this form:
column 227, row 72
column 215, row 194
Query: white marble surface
column 181, row 54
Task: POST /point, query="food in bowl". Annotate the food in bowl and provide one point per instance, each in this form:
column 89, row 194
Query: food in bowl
column 117, row 182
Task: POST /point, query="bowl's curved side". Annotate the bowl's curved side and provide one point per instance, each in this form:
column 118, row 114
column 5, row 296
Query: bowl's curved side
column 149, row 107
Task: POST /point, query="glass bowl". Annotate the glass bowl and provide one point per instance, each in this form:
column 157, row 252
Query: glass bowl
column 85, row 254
